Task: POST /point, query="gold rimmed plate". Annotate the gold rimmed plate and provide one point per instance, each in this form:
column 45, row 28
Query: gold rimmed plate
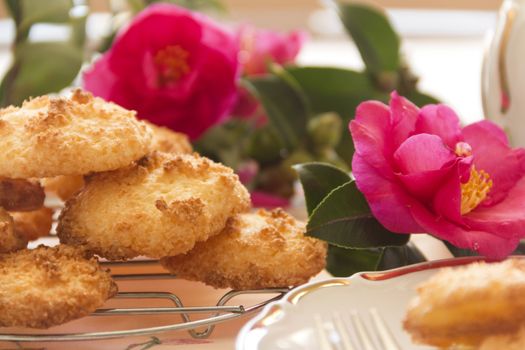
column 289, row 323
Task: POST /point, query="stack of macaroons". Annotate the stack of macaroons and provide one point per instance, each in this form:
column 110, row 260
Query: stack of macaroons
column 131, row 189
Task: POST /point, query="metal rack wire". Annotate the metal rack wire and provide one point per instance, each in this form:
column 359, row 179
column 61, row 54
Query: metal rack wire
column 218, row 313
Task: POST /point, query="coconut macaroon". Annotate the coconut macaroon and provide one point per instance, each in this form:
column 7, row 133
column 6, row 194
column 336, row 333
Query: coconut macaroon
column 164, row 140
column 464, row 305
column 169, row 141
column 69, row 136
column 513, row 341
column 64, row 186
column 160, row 206
column 21, row 195
column 9, row 240
column 255, row 250
column 46, row 286
column 31, row 225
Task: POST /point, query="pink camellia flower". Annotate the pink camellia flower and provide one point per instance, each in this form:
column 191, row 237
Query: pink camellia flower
column 421, row 172
column 258, row 47
column 174, row 67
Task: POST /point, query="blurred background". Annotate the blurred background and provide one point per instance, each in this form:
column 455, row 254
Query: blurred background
column 443, row 40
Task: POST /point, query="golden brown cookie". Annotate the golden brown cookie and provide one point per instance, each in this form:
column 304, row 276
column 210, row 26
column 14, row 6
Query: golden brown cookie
column 64, row 187
column 9, row 240
column 256, row 250
column 46, row 286
column 48, row 137
column 466, row 304
column 169, row 141
column 164, row 140
column 160, row 206
column 31, row 225
column 513, row 341
column 21, row 195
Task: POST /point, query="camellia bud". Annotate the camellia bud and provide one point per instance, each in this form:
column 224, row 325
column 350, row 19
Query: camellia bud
column 387, row 81
column 298, row 156
column 330, row 156
column 325, row 130
column 265, row 146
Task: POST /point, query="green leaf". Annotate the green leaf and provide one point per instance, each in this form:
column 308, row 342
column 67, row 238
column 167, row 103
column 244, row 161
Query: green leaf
column 374, row 37
column 78, row 30
column 137, row 5
column 42, row 67
column 107, row 41
column 196, row 5
column 344, row 219
column 335, row 89
column 459, row 252
column 403, row 255
column 285, row 106
column 13, row 6
column 520, row 249
column 56, row 11
column 318, row 180
column 342, row 262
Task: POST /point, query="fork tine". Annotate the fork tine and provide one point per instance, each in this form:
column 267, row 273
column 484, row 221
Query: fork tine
column 321, row 333
column 385, row 336
column 361, row 332
column 341, row 329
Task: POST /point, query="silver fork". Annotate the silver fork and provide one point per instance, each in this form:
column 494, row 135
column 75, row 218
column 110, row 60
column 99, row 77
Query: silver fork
column 348, row 331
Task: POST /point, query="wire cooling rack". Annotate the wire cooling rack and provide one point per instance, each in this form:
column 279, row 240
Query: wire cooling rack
column 218, row 313
column 197, row 328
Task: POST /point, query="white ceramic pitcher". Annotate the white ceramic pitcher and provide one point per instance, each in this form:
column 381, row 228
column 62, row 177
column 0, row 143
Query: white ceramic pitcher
column 503, row 77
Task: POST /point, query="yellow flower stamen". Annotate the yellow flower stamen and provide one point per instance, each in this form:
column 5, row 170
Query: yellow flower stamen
column 475, row 190
column 171, row 63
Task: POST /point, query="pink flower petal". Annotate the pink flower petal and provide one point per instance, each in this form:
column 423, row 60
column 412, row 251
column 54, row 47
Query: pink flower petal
column 99, row 79
column 260, row 46
column 442, row 121
column 137, row 38
column 493, row 155
column 246, row 105
column 422, row 152
column 440, row 187
column 486, row 127
column 505, row 219
column 404, row 116
column 202, row 96
column 369, row 131
column 484, row 243
column 425, row 184
column 447, row 202
column 388, row 201
column 247, row 171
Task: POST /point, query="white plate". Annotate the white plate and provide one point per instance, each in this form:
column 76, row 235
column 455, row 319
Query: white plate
column 289, row 322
